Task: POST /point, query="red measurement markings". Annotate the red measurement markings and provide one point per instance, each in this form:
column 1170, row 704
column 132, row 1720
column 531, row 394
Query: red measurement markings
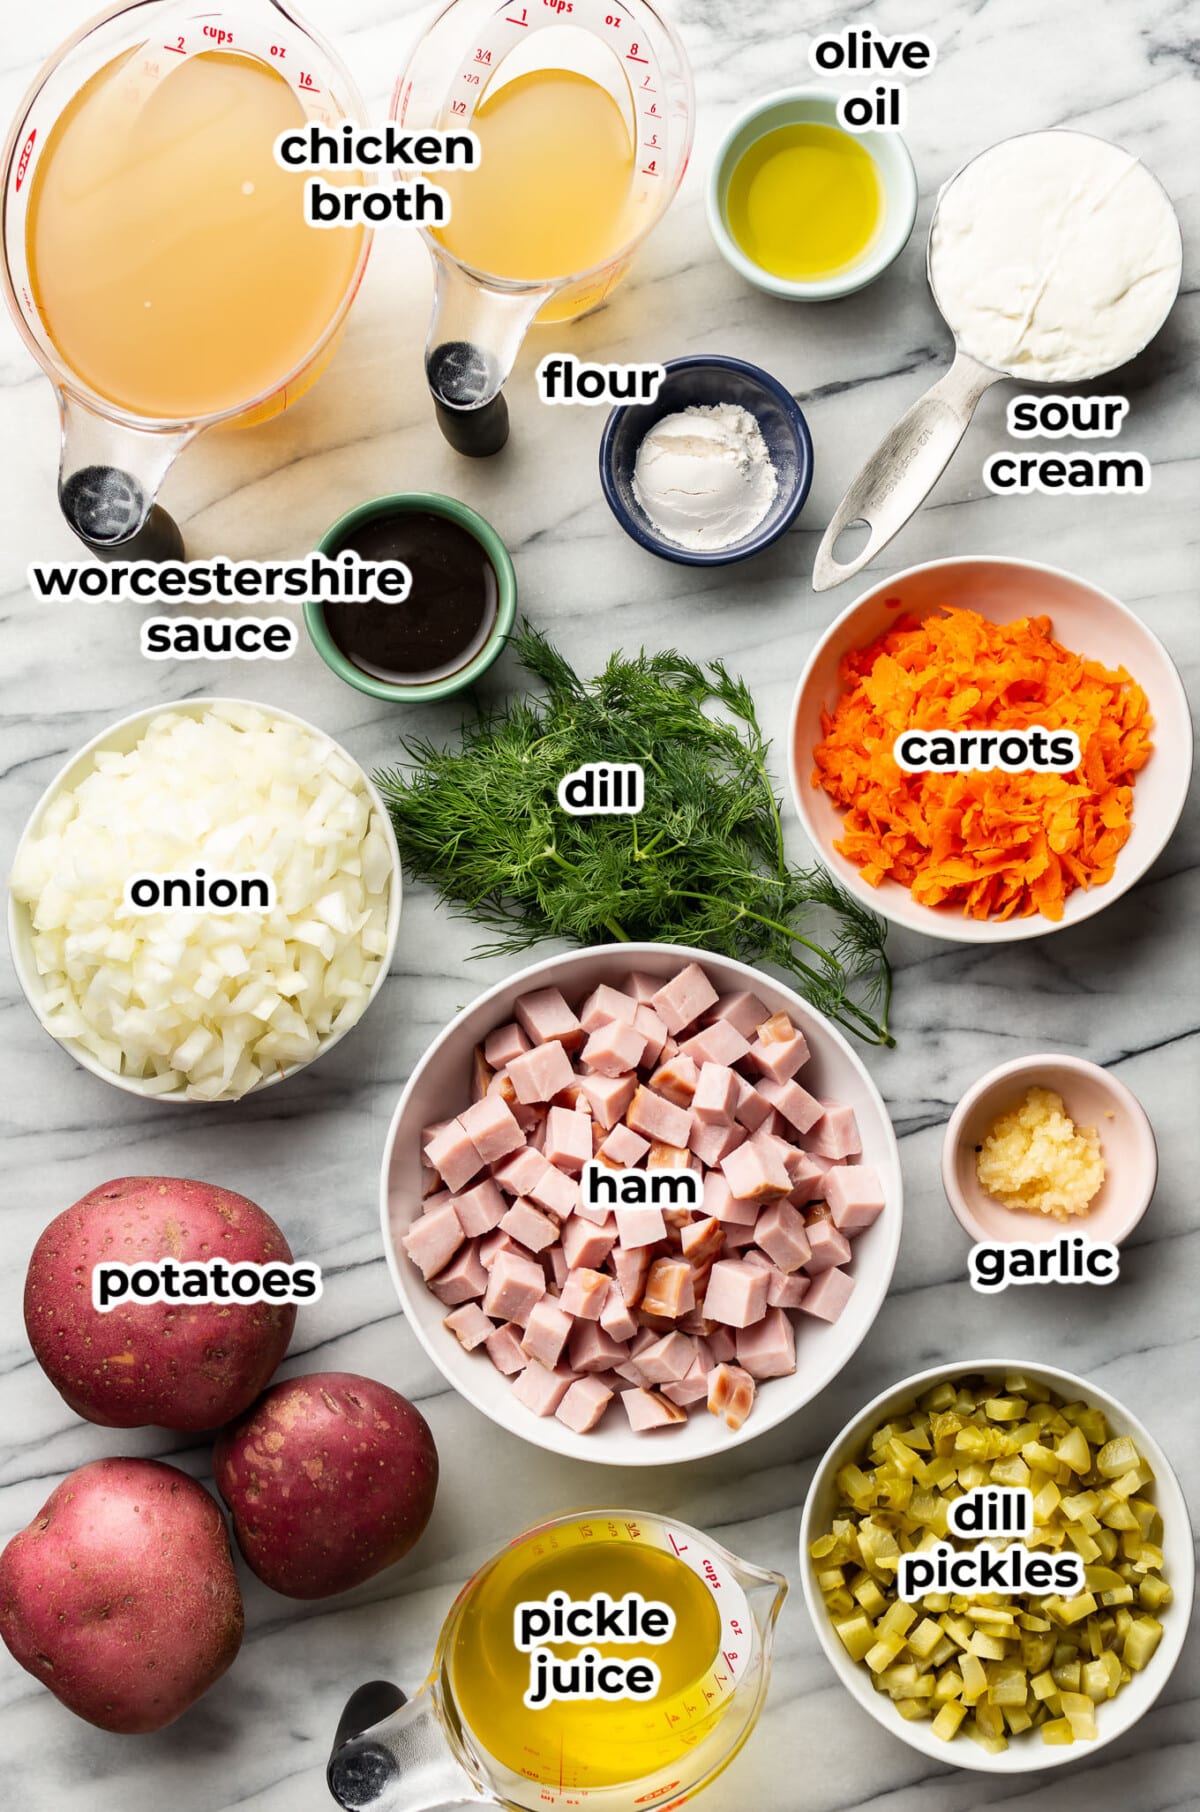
column 633, row 55
column 306, row 82
column 25, row 159
column 483, row 56
column 509, row 20
column 177, row 50
column 730, row 1658
column 656, row 1793
column 675, row 1544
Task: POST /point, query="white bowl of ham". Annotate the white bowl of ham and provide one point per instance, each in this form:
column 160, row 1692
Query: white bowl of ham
column 535, row 1303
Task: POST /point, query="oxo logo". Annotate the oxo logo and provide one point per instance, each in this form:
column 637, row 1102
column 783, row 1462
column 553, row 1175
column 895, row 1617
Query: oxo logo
column 24, row 160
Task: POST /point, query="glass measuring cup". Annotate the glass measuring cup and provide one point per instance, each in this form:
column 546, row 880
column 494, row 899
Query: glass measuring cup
column 433, row 1752
column 906, row 465
column 140, row 78
column 457, row 76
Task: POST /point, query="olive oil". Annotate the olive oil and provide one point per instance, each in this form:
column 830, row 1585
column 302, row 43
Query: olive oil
column 805, row 202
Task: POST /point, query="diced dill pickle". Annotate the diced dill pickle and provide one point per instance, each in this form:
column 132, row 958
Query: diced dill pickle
column 948, row 1719
column 1154, row 1593
column 1116, row 1457
column 925, row 1638
column 1058, row 1731
column 898, row 1619
column 857, row 1635
column 1080, row 1714
column 869, row 1596
column 912, row 1710
column 1143, row 1638
column 1042, row 1686
column 1073, row 1451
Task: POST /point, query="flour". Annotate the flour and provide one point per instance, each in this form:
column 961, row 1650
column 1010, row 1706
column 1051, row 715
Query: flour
column 704, row 476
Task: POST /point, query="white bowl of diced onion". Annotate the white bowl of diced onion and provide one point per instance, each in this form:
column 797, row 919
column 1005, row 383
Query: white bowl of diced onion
column 1027, row 1752
column 306, row 982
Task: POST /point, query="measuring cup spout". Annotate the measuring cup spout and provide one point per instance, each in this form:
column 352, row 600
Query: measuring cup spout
column 108, row 478
column 391, row 1755
column 474, row 337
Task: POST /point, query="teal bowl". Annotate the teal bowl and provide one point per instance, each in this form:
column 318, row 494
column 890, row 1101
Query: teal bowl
column 411, row 503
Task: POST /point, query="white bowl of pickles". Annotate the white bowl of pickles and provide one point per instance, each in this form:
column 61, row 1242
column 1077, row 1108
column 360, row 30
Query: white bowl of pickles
column 1013, row 1684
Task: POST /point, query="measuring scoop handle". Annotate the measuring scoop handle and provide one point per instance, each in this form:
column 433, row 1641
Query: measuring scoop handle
column 903, row 468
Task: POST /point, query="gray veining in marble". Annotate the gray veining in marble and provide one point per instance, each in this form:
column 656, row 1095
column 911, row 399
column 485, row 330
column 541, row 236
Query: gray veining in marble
column 1123, row 989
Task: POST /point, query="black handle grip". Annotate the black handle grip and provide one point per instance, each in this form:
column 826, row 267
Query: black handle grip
column 106, row 508
column 358, row 1769
column 470, row 406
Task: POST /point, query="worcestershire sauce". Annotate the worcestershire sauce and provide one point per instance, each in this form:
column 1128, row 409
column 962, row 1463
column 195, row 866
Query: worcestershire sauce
column 448, row 615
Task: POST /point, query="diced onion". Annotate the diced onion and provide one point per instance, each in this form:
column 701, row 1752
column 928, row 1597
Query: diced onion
column 208, row 1004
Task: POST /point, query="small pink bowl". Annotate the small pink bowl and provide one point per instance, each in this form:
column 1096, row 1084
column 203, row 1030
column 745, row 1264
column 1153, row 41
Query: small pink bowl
column 1093, row 1098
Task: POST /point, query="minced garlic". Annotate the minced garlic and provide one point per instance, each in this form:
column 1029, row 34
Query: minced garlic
column 1035, row 1158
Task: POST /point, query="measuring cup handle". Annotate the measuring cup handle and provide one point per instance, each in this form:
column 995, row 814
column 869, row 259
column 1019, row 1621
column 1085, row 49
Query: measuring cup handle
column 102, row 506
column 904, row 468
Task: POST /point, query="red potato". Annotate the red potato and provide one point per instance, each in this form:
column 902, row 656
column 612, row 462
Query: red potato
column 187, row 1365
column 121, row 1596
column 328, row 1479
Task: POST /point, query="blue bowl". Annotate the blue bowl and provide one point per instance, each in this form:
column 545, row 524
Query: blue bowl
column 710, row 378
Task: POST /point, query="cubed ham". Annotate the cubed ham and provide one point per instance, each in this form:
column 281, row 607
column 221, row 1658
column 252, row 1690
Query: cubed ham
column 676, row 1080
column 855, row 1197
column 639, row 1224
column 647, row 1411
column 593, row 1349
column 515, row 1283
column 584, row 1293
column 526, row 1117
column 614, row 1049
column 631, row 1269
column 752, row 1111
column 721, row 1345
column 529, row 1226
column 546, row 1018
column 642, row 987
column 745, row 1012
column 666, row 1360
column 681, row 1001
column 493, row 1245
column 453, row 1154
column 586, row 1243
column 432, row 1241
column 429, row 1134
column 829, row 1247
column 701, row 1240
column 568, row 1139
column 556, row 1192
column 807, row 1179
column 541, row 1389
column 464, row 1279
column 829, row 1294
column 480, row 1209
column 794, row 1104
column 717, row 1043
column 669, row 1290
column 623, row 1147
column 716, row 1095
column 539, row 1074
column 470, row 1326
column 615, row 1318
column 546, row 1332
column 712, row 1143
column 768, row 1349
column 787, row 1290
column 755, row 1172
column 609, row 1096
column 781, row 1234
column 583, row 1404
column 731, row 1394
column 835, row 1134
column 492, row 1129
column 778, row 1058
column 482, row 1075
column 504, row 1350
column 603, row 1005
column 658, row 1119
column 738, row 1233
column 653, row 1031
column 518, row 1174
column 505, row 1043
column 736, row 1294
column 691, row 1388
column 556, row 1267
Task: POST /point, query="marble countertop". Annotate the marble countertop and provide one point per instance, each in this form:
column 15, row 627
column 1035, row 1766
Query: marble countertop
column 1123, row 988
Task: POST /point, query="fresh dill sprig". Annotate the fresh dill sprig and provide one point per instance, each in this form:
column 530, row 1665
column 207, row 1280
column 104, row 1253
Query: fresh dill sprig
column 703, row 863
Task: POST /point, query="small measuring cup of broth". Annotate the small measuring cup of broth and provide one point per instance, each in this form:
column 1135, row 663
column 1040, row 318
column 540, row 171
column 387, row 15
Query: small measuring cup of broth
column 584, row 115
column 517, row 1713
column 157, row 260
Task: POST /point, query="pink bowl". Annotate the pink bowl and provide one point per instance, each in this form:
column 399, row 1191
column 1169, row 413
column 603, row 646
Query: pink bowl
column 1093, row 1098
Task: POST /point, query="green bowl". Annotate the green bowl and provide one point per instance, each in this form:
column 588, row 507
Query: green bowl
column 430, row 503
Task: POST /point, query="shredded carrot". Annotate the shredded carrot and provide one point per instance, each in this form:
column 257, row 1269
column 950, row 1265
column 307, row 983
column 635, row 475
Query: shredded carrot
column 991, row 843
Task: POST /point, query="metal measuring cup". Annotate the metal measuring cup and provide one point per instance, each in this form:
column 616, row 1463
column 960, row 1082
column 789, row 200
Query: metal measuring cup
column 912, row 456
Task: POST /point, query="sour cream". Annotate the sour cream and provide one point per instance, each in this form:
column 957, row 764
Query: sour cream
column 1055, row 256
